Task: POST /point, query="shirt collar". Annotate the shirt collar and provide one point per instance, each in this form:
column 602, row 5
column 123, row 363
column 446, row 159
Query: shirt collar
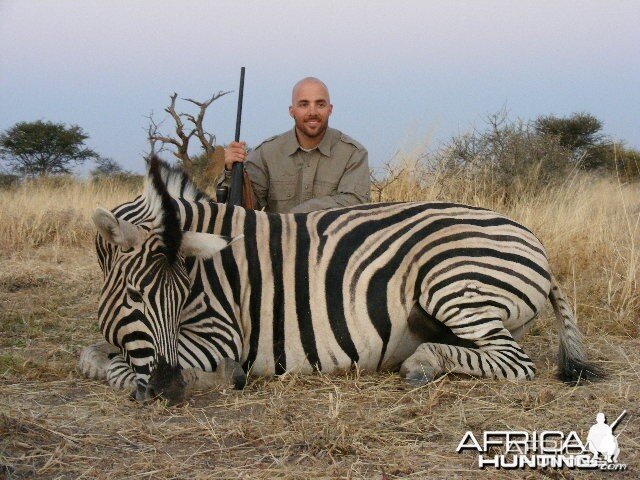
column 291, row 144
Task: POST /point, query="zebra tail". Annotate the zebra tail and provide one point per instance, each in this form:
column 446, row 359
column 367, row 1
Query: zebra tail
column 572, row 359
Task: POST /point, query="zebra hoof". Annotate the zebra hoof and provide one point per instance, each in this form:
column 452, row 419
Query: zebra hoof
column 143, row 394
column 233, row 370
column 417, row 379
column 420, row 375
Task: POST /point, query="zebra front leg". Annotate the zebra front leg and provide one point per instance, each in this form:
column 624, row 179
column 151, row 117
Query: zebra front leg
column 95, row 359
column 498, row 356
column 227, row 373
column 120, row 375
column 103, row 361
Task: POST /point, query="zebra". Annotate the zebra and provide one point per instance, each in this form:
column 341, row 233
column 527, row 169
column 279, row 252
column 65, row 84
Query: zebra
column 197, row 292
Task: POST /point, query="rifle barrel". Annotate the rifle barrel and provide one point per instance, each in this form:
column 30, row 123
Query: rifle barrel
column 239, row 113
column 235, row 190
column 617, row 420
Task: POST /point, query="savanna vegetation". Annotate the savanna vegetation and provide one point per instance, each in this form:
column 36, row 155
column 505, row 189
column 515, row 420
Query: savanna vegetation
column 579, row 197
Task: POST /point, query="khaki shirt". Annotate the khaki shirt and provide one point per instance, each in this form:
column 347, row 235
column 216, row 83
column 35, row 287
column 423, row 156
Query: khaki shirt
column 286, row 179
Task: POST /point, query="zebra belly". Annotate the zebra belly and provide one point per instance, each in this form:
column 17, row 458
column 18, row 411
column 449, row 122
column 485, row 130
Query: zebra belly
column 331, row 356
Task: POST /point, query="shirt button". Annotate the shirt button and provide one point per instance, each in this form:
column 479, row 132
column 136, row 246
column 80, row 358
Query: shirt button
column 306, row 187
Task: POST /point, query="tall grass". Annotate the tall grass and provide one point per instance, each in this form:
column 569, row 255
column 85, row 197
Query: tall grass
column 55, row 211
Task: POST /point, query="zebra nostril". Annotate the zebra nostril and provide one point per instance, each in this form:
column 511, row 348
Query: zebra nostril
column 150, row 393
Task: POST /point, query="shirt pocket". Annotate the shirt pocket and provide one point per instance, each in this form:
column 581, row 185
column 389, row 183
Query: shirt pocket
column 281, row 197
column 281, row 191
column 322, row 188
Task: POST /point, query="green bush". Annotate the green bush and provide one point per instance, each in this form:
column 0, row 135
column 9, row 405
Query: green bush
column 8, row 180
column 505, row 157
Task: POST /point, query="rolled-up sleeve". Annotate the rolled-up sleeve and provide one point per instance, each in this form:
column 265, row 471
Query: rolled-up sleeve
column 353, row 189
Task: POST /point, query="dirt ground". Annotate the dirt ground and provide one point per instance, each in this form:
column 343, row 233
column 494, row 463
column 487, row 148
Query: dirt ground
column 55, row 424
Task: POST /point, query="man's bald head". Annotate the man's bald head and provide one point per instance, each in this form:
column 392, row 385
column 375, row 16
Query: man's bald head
column 311, row 109
column 308, row 81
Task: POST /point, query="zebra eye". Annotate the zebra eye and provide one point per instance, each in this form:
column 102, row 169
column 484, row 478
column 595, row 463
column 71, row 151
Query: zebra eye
column 134, row 295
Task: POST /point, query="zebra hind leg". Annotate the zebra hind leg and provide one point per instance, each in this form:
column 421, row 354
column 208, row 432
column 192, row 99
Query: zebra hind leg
column 428, row 329
column 497, row 355
column 103, row 361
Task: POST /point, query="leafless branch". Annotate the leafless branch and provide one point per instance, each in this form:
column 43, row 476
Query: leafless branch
column 154, row 136
column 391, row 173
column 182, row 136
column 206, row 139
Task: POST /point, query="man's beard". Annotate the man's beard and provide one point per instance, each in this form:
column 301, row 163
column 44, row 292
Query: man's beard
column 322, row 127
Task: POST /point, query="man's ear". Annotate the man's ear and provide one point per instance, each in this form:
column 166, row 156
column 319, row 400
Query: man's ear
column 113, row 230
column 204, row 245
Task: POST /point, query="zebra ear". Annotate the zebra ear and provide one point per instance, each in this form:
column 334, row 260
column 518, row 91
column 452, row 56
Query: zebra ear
column 113, row 230
column 204, row 245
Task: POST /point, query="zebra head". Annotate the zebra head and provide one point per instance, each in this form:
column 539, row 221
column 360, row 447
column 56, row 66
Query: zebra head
column 146, row 284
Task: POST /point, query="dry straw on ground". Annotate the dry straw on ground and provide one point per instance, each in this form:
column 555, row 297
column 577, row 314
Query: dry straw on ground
column 54, row 424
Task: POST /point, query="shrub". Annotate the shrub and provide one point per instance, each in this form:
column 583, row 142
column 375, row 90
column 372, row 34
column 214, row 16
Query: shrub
column 503, row 161
column 124, row 179
column 8, row 180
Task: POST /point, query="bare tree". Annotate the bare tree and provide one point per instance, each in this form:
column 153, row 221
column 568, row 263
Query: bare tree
column 207, row 140
column 153, row 135
column 181, row 139
column 388, row 174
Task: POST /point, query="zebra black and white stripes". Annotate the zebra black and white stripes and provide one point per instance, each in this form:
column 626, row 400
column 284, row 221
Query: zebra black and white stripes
column 422, row 287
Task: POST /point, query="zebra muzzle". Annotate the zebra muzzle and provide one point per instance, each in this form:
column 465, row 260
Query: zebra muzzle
column 165, row 382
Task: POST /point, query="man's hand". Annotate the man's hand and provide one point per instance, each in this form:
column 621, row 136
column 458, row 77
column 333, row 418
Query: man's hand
column 235, row 152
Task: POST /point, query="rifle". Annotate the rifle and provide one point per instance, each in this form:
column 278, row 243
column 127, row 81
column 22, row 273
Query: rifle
column 233, row 196
column 617, row 420
column 235, row 192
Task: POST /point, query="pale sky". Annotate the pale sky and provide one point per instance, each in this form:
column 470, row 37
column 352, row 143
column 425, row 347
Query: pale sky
column 398, row 71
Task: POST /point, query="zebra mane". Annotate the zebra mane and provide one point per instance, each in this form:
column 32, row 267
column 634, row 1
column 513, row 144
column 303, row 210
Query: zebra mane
column 163, row 180
column 156, row 208
column 177, row 182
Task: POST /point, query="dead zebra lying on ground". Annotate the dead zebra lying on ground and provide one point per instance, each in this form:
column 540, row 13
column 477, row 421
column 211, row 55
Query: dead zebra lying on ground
column 191, row 285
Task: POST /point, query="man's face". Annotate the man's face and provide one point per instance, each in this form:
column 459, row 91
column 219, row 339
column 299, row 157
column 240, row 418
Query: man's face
column 311, row 109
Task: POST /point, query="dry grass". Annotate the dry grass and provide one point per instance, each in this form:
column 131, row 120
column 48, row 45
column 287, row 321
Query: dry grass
column 55, row 211
column 54, row 424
